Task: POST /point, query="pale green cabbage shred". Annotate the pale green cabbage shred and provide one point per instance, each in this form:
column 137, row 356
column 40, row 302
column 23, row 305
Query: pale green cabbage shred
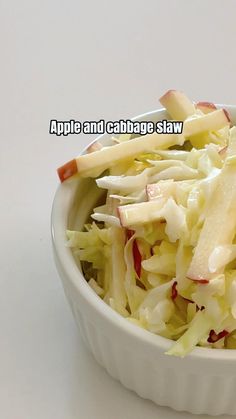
column 164, row 300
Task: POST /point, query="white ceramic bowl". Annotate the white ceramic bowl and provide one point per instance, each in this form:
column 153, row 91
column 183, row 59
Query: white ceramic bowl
column 202, row 382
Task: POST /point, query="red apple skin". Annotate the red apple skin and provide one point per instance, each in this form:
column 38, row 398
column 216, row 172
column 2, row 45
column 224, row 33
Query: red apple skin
column 214, row 337
column 168, row 93
column 223, row 150
column 200, row 280
column 177, row 104
column 206, row 107
column 227, row 115
column 67, row 170
column 174, row 292
column 137, row 258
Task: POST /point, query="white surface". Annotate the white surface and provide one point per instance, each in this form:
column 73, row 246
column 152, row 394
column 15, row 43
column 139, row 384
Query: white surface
column 83, row 60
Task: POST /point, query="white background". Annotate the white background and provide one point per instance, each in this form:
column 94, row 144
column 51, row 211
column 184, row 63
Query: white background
column 83, row 60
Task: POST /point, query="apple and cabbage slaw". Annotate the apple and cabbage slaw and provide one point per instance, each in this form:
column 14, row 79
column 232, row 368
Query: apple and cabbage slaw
column 161, row 249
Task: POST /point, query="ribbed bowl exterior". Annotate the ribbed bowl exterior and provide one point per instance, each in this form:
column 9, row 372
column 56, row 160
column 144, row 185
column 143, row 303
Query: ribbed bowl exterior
column 203, row 382
column 199, row 391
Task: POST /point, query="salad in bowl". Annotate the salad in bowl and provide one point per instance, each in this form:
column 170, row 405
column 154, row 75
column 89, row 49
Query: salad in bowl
column 160, row 247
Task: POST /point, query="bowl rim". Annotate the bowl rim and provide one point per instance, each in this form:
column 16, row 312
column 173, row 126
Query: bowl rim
column 60, row 207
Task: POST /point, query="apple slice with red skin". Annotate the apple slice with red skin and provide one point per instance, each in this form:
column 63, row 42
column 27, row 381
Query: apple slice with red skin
column 200, row 281
column 206, row 107
column 214, row 337
column 137, row 258
column 212, row 121
column 68, row 170
column 93, row 164
column 177, row 104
